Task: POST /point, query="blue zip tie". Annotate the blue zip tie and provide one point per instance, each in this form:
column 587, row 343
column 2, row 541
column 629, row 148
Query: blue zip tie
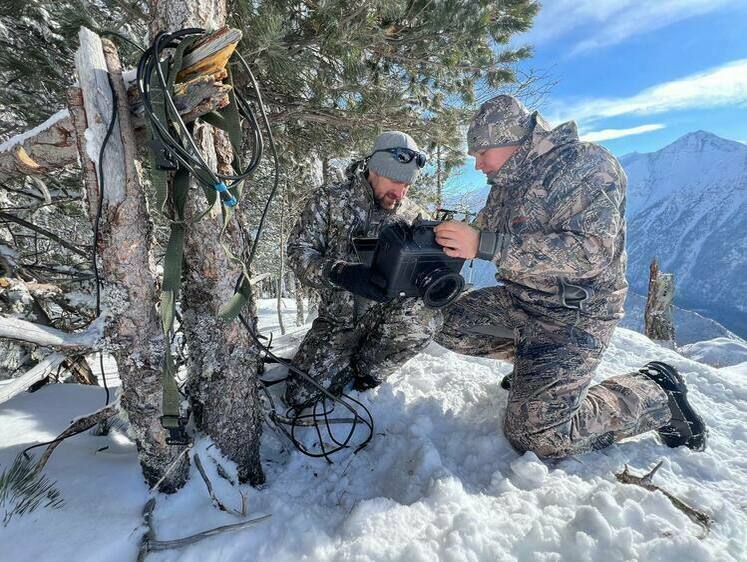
column 230, row 201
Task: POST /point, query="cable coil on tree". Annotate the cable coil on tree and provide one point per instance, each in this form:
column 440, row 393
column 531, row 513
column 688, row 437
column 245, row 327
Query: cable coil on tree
column 174, row 150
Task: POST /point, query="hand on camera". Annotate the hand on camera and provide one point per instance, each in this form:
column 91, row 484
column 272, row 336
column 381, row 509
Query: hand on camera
column 356, row 278
column 458, row 239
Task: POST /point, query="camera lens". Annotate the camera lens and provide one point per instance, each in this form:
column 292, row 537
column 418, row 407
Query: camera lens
column 440, row 287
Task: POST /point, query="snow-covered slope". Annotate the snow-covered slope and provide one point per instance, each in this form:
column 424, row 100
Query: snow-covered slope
column 718, row 352
column 687, row 205
column 438, row 482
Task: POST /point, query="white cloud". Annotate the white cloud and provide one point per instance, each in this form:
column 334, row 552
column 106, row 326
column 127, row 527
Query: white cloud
column 721, row 86
column 607, row 134
column 607, row 22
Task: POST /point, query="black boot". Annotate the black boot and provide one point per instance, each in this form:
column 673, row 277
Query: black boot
column 506, row 382
column 686, row 427
column 364, row 382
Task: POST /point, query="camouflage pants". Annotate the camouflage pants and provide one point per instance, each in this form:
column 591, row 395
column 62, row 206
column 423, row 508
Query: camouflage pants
column 552, row 408
column 335, row 350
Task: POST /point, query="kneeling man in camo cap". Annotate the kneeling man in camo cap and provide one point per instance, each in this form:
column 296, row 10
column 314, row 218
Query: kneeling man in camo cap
column 357, row 339
column 554, row 225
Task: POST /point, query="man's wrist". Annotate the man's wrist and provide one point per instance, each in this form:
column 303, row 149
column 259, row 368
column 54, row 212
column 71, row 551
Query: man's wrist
column 489, row 245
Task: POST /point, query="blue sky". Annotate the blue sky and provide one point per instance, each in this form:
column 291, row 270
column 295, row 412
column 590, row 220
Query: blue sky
column 660, row 67
column 638, row 74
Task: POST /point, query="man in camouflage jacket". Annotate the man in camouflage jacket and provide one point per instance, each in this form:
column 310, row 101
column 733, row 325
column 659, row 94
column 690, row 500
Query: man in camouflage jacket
column 355, row 338
column 554, row 225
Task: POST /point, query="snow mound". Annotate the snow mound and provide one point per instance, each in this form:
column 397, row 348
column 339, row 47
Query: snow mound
column 439, row 481
column 718, row 352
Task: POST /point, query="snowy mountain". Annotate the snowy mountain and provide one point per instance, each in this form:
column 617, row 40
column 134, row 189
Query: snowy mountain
column 689, row 326
column 439, row 481
column 687, row 205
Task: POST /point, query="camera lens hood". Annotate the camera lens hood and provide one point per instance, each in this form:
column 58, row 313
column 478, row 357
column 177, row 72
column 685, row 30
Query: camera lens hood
column 440, row 286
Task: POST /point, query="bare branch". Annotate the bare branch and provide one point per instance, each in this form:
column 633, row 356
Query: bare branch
column 28, row 332
column 40, row 371
column 696, row 516
column 44, row 232
column 78, row 426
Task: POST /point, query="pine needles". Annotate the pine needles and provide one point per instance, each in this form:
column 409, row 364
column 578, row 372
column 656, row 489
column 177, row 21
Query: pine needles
column 23, row 489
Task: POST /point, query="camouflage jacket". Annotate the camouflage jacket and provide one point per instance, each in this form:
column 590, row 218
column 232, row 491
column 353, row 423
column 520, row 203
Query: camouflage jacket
column 324, row 234
column 560, row 204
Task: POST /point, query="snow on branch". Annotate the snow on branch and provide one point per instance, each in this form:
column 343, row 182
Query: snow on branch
column 28, row 332
column 41, row 370
column 45, row 148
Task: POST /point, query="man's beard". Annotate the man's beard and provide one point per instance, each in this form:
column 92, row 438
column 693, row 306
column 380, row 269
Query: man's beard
column 388, row 202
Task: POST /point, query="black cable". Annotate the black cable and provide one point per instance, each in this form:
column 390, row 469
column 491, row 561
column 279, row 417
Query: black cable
column 296, row 419
column 99, row 208
column 190, row 157
column 97, row 220
column 177, row 140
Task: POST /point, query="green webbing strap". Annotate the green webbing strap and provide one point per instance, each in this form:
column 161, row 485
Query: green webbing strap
column 227, row 119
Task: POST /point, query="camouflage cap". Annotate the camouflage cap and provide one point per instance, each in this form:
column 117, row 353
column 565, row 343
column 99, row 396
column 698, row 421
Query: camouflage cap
column 501, row 121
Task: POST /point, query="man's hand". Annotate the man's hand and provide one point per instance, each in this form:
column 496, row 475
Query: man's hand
column 459, row 239
column 356, row 278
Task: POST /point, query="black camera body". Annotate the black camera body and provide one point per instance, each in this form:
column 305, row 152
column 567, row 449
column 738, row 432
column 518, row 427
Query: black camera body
column 406, row 261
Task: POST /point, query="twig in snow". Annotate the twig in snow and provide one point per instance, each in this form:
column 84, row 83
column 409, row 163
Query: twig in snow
column 169, row 469
column 216, row 502
column 150, row 544
column 78, row 426
column 696, row 516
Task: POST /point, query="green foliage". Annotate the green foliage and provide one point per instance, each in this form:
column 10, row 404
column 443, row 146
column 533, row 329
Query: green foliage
column 337, row 72
column 22, row 490
column 38, row 39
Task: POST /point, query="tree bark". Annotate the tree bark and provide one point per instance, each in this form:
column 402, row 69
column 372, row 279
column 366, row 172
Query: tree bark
column 298, row 293
column 658, row 314
column 124, row 246
column 281, row 268
column 222, row 361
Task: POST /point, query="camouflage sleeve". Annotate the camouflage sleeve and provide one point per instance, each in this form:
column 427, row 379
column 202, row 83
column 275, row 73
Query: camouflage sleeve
column 307, row 243
column 585, row 206
column 480, row 221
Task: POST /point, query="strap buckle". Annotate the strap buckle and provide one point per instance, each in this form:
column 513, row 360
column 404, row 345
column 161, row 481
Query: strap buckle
column 175, row 425
column 164, row 160
column 573, row 296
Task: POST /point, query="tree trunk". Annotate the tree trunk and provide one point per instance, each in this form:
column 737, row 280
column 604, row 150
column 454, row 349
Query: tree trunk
column 282, row 264
column 124, row 246
column 222, row 361
column 298, row 293
column 658, row 315
column 439, row 186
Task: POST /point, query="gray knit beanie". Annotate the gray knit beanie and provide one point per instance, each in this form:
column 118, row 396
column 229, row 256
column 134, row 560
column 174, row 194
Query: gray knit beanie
column 385, row 163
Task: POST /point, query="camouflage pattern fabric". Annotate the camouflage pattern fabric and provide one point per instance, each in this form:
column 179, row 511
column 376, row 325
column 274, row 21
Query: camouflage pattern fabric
column 351, row 334
column 560, row 204
column 552, row 409
column 500, row 121
column 335, row 351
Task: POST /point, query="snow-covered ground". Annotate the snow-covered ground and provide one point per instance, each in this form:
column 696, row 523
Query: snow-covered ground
column 438, row 482
column 718, row 352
